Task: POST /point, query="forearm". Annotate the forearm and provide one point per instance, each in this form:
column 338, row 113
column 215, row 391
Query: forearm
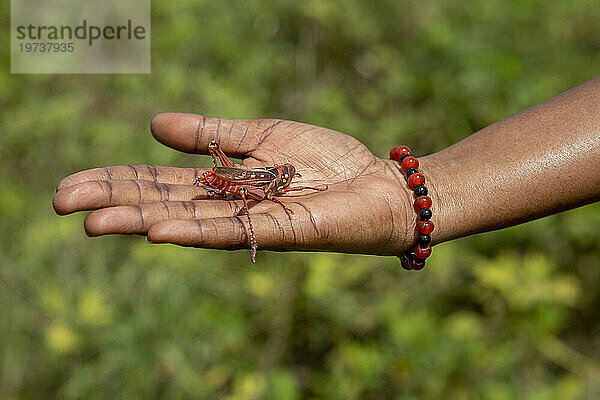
column 541, row 161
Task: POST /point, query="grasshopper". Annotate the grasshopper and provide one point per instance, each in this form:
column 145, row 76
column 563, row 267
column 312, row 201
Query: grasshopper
column 264, row 183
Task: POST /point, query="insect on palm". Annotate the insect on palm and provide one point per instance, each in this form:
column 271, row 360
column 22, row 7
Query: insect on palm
column 263, row 183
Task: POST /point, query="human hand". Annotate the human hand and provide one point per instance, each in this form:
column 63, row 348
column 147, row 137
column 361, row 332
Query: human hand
column 367, row 207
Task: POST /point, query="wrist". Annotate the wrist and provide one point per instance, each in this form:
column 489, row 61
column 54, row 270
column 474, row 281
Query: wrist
column 403, row 235
column 440, row 190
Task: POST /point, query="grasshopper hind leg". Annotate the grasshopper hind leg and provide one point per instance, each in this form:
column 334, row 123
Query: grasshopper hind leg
column 253, row 244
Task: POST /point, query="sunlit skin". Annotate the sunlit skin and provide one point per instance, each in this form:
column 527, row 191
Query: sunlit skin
column 541, row 161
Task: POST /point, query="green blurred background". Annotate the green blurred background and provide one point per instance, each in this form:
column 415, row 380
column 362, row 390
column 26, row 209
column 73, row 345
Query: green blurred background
column 512, row 314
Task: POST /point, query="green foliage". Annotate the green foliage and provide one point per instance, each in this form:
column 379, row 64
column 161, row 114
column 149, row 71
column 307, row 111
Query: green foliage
column 505, row 315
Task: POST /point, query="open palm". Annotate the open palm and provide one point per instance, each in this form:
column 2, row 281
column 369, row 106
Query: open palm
column 364, row 210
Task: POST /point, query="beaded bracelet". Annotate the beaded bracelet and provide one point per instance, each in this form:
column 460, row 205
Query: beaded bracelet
column 414, row 259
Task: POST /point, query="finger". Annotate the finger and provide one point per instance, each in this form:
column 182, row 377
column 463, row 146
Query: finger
column 192, row 133
column 233, row 233
column 105, row 193
column 137, row 219
column 134, row 171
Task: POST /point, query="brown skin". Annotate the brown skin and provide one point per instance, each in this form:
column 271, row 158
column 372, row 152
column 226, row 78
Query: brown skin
column 541, row 161
column 364, row 210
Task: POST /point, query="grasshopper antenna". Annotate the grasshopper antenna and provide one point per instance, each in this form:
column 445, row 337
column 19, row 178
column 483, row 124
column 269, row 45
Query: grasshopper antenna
column 297, row 169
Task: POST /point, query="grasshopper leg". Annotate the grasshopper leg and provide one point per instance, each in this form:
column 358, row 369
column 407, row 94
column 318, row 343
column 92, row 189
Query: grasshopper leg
column 253, row 244
column 216, row 152
column 298, row 188
column 288, row 210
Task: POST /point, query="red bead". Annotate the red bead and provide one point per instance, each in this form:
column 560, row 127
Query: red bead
column 416, row 179
column 417, row 264
column 409, row 162
column 422, row 251
column 422, row 202
column 425, row 227
column 398, row 151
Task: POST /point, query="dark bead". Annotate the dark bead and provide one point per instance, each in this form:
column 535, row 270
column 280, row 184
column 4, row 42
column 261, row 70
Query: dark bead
column 411, row 171
column 405, row 262
column 404, row 156
column 420, row 190
column 425, row 214
column 424, row 239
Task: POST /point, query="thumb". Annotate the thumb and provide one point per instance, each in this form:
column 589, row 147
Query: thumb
column 192, row 133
